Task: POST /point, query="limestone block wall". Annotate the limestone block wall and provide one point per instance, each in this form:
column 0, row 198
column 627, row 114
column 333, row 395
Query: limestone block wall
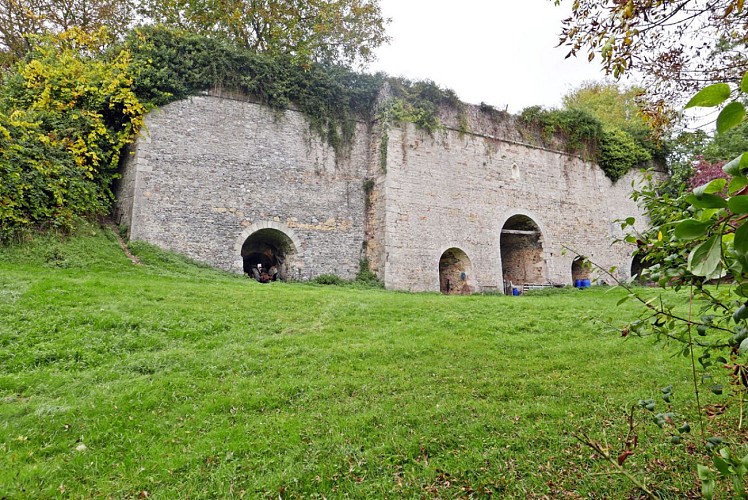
column 211, row 170
column 216, row 177
column 457, row 190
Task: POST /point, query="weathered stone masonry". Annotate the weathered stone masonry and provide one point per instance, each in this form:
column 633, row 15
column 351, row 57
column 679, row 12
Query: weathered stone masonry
column 228, row 181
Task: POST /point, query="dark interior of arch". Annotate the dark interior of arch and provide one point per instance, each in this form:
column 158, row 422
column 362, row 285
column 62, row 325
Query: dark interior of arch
column 454, row 272
column 522, row 251
column 637, row 266
column 268, row 247
column 580, row 269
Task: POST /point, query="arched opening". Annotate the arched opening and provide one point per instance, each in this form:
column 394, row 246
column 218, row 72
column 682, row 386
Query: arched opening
column 522, row 252
column 580, row 269
column 272, row 249
column 455, row 272
column 637, row 266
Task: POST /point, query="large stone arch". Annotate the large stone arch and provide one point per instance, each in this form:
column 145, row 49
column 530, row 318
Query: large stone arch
column 270, row 244
column 521, row 245
column 455, row 272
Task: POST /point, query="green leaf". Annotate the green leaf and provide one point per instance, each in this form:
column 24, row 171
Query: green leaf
column 735, row 166
column 744, row 83
column 708, row 483
column 711, row 187
column 710, row 96
column 740, row 313
column 707, row 201
column 740, row 243
column 690, row 229
column 744, row 346
column 630, row 221
column 738, row 204
column 705, row 259
column 730, row 116
column 722, row 465
column 737, row 183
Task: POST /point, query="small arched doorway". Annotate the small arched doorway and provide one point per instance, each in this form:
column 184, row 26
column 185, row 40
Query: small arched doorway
column 580, row 269
column 637, row 266
column 522, row 256
column 455, row 272
column 269, row 248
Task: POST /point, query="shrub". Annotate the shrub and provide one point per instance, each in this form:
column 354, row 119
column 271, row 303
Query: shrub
column 328, row 279
column 366, row 276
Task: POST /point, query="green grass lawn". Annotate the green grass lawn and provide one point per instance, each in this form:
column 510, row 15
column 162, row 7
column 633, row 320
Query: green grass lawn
column 177, row 380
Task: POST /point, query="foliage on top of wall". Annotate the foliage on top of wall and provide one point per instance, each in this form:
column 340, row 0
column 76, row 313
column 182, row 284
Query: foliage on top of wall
column 170, row 65
column 616, row 151
column 419, row 103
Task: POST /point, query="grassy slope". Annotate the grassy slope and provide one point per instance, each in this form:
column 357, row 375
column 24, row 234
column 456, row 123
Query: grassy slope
column 183, row 380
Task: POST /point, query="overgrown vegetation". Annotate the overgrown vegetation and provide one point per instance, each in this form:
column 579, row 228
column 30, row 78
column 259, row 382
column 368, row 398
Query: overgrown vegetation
column 615, row 150
column 697, row 238
column 365, row 278
column 70, row 107
column 167, row 379
column 65, row 115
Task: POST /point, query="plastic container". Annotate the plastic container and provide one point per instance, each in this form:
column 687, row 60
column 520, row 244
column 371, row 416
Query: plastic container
column 515, row 292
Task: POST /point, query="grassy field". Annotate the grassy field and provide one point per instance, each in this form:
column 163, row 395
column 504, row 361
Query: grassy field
column 170, row 379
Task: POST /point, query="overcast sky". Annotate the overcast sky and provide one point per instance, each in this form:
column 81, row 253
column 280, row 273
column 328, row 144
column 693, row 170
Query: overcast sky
column 501, row 52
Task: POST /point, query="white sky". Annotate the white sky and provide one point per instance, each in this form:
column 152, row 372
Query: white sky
column 501, row 52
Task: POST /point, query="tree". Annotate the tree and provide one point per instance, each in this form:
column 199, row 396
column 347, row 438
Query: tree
column 20, row 19
column 66, row 113
column 678, row 46
column 342, row 31
column 609, row 102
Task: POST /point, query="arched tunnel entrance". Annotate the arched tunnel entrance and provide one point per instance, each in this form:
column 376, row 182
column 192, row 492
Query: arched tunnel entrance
column 270, row 248
column 580, row 269
column 455, row 272
column 637, row 266
column 522, row 256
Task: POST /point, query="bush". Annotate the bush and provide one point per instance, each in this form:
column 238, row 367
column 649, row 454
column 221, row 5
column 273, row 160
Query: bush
column 65, row 114
column 619, row 152
column 366, row 276
column 328, row 279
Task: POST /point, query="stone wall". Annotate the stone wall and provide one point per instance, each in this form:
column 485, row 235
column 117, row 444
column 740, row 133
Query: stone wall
column 457, row 190
column 213, row 171
column 210, row 171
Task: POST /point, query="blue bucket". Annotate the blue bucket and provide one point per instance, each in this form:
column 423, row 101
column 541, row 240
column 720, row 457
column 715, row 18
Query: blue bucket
column 586, row 283
column 515, row 292
column 578, row 283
